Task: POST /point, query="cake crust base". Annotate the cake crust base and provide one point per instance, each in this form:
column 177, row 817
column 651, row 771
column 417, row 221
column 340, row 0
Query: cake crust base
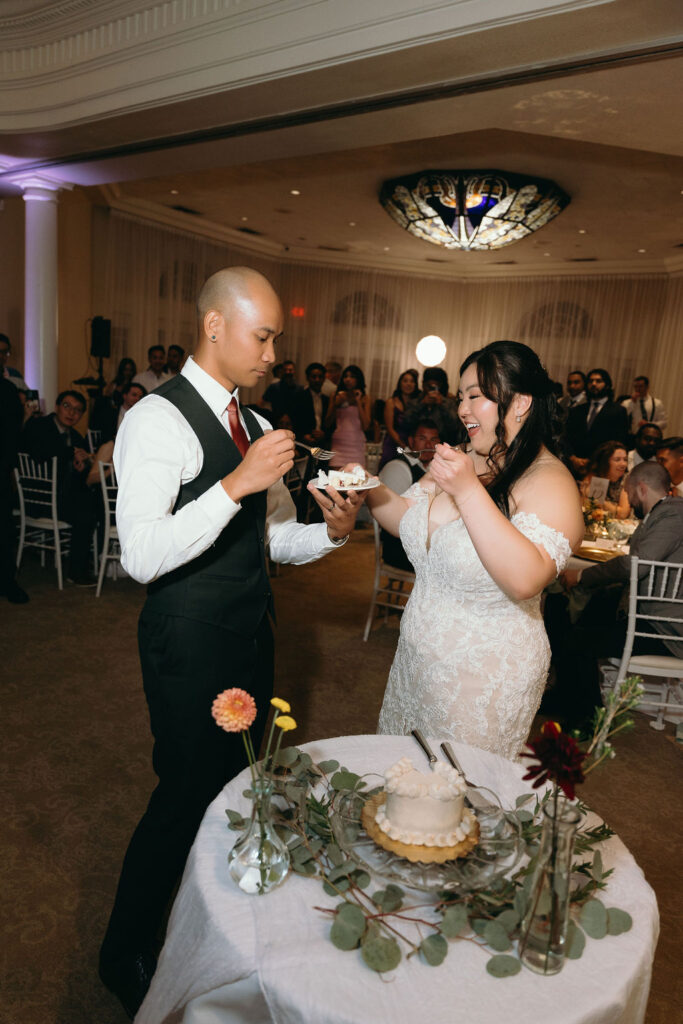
column 416, row 854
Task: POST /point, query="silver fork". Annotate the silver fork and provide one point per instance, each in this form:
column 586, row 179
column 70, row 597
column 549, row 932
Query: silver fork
column 408, row 451
column 320, row 454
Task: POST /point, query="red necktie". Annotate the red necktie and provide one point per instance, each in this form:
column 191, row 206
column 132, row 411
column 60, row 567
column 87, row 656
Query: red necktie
column 238, row 432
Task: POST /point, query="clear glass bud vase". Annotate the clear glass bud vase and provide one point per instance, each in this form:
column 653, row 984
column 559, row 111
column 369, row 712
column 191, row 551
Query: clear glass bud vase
column 259, row 860
column 543, row 930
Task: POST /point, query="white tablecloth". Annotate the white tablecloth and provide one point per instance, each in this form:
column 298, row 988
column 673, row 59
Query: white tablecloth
column 231, row 958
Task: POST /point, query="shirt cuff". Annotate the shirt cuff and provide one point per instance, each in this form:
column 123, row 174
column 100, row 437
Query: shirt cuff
column 218, row 504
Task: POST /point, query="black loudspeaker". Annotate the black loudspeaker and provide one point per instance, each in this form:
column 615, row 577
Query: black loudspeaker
column 100, row 337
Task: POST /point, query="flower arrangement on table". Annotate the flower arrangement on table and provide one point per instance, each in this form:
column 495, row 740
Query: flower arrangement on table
column 494, row 918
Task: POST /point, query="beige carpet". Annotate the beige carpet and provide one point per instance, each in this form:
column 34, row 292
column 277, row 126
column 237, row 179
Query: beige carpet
column 76, row 768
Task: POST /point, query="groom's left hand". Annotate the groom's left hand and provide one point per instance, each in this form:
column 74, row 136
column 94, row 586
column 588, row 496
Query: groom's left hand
column 339, row 511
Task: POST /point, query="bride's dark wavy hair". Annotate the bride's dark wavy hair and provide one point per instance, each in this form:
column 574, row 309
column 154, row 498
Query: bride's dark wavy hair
column 506, row 369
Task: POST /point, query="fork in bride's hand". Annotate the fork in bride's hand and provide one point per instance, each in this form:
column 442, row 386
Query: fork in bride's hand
column 321, row 454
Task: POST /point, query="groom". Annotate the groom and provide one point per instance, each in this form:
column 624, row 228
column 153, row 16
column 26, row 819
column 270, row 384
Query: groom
column 201, row 495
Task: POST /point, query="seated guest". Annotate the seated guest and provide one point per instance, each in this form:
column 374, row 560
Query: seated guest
column 670, row 455
column 155, row 374
column 401, row 473
column 646, row 440
column 46, row 436
column 596, row 421
column 11, row 419
column 576, row 391
column 609, row 464
column 437, row 404
column 175, row 359
column 397, row 415
column 642, row 407
column 124, row 375
column 598, row 632
column 107, row 416
column 9, row 372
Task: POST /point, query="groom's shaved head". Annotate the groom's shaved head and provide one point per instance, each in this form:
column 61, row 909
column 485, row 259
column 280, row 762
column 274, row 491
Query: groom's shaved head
column 224, row 289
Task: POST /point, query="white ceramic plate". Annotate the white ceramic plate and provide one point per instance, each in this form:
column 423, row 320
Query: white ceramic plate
column 361, row 487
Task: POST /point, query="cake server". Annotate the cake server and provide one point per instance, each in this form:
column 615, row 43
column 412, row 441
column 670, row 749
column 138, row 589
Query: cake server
column 431, row 756
column 473, row 798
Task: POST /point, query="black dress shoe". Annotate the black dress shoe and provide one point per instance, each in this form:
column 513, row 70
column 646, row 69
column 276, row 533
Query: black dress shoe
column 15, row 594
column 129, row 980
column 83, row 579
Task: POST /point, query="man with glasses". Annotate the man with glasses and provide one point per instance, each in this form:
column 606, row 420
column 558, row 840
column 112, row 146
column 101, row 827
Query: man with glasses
column 56, row 434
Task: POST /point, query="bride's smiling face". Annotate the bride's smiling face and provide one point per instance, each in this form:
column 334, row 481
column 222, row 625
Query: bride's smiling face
column 480, row 415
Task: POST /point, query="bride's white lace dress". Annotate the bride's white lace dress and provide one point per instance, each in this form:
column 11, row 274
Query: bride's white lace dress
column 471, row 662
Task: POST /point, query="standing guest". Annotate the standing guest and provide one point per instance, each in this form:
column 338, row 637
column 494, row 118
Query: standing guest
column 609, row 463
column 397, row 411
column 647, row 438
column 436, row 403
column 11, row 419
column 596, row 421
column 124, row 375
column 348, row 415
column 281, row 394
column 332, row 377
column 309, row 407
column 200, row 497
column 8, row 372
column 399, row 475
column 642, row 407
column 46, row 436
column 670, row 455
column 155, row 375
column 174, row 359
column 576, row 391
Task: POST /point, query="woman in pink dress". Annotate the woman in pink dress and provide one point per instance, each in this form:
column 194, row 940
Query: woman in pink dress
column 349, row 414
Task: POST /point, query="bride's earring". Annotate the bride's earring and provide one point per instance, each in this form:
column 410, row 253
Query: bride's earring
column 518, row 418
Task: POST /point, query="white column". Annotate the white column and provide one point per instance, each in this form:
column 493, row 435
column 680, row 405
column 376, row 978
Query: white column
column 40, row 291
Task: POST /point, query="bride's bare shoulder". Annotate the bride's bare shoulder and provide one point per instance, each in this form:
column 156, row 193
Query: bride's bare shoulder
column 548, row 490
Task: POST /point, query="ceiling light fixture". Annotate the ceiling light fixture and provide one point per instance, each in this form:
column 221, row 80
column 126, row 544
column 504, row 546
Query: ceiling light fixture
column 174, row 192
column 294, row 192
column 472, row 210
column 431, row 350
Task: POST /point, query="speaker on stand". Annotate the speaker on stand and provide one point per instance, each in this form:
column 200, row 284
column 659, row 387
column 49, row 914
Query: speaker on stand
column 100, row 346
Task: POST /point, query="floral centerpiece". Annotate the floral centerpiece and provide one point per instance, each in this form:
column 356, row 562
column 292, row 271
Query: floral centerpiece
column 259, row 860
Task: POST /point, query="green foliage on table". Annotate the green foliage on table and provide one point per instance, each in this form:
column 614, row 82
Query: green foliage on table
column 370, row 921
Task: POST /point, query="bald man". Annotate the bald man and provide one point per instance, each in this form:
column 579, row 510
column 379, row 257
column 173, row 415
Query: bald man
column 201, row 495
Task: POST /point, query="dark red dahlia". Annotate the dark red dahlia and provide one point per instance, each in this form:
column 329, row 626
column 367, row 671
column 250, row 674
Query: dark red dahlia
column 560, row 759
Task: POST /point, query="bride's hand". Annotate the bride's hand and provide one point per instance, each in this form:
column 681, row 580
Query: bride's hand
column 454, row 472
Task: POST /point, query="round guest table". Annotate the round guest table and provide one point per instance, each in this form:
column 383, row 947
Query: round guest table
column 232, row 958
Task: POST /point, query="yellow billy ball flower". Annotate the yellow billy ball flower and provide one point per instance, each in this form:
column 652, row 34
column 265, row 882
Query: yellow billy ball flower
column 280, row 704
column 285, row 722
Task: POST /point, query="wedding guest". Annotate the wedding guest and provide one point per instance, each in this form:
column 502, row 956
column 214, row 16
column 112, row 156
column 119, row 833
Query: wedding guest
column 596, row 421
column 397, row 412
column 646, row 440
column 108, row 416
column 642, row 407
column 333, row 371
column 576, row 391
column 174, row 359
column 309, row 407
column 601, row 630
column 609, row 463
column 670, row 455
column 200, row 496
column 348, row 415
column 11, row 419
column 281, row 394
column 400, row 474
column 124, row 375
column 9, row 372
column 438, row 404
column 46, row 436
column 155, row 375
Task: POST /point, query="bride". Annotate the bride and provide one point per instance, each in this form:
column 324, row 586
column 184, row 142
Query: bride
column 486, row 530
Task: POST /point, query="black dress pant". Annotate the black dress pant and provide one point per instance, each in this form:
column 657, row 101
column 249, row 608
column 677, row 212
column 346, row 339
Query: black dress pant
column 7, row 531
column 185, row 664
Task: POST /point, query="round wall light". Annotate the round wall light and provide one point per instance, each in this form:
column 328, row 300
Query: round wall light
column 431, row 350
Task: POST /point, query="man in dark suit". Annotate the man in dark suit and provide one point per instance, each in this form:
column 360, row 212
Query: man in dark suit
column 46, row 436
column 601, row 631
column 309, row 407
column 600, row 419
column 11, row 418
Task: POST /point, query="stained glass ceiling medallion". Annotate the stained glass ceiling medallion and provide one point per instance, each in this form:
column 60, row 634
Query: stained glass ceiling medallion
column 472, row 209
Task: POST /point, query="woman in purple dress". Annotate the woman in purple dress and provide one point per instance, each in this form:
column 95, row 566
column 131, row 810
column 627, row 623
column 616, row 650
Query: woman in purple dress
column 349, row 415
column 397, row 414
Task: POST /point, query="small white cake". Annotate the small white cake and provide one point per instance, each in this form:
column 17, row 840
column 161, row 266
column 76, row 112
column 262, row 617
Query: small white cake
column 424, row 809
column 341, row 480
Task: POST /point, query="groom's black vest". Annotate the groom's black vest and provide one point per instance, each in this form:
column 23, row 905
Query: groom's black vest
column 228, row 584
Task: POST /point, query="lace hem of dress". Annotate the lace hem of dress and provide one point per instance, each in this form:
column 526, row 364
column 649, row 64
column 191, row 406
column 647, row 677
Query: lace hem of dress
column 554, row 542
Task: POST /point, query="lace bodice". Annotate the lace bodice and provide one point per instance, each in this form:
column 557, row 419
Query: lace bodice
column 471, row 662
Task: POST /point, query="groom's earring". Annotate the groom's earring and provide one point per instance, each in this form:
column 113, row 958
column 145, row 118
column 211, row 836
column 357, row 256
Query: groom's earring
column 213, row 337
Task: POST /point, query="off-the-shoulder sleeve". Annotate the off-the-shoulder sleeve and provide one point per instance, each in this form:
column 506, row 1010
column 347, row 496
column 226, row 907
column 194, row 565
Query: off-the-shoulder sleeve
column 554, row 542
column 415, row 492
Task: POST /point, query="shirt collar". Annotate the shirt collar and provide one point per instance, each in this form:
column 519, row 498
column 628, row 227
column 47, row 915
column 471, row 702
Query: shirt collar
column 214, row 394
column 599, row 401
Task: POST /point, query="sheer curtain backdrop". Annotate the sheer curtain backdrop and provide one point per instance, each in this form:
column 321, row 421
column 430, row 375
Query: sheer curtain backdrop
column 627, row 324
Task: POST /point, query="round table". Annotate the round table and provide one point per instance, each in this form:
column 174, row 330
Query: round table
column 231, row 958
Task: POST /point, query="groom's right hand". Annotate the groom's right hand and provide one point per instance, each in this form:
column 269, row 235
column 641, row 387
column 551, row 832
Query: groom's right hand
column 267, row 460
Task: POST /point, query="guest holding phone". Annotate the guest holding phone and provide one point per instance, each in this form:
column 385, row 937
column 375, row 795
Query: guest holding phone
column 349, row 414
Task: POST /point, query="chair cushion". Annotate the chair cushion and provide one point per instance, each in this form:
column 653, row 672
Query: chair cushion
column 661, row 662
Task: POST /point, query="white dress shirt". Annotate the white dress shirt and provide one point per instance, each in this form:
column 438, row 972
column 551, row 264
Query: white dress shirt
column 649, row 409
column 149, row 379
column 156, row 451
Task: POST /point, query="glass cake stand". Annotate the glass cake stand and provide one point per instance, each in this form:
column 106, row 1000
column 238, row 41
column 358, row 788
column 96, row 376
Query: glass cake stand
column 498, row 851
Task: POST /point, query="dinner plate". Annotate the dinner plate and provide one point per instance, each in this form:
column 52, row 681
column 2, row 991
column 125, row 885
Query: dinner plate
column 368, row 486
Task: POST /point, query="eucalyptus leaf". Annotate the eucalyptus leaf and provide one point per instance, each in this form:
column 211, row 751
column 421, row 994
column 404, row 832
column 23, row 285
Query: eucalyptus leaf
column 575, row 942
column 434, row 949
column 348, row 926
column 361, row 878
column 388, row 899
column 344, row 780
column 328, row 766
column 340, row 871
column 305, row 868
column 496, row 937
column 381, row 954
column 593, row 919
column 334, row 854
column 454, row 921
column 479, row 925
column 502, row 966
column 524, row 816
column 341, row 885
column 519, row 902
column 306, row 760
column 523, row 799
column 596, row 867
column 508, row 919
column 286, row 756
column 618, row 921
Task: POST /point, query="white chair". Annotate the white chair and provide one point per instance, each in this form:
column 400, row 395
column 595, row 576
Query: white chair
column 94, row 440
column 42, row 528
column 663, row 583
column 111, row 550
column 391, row 588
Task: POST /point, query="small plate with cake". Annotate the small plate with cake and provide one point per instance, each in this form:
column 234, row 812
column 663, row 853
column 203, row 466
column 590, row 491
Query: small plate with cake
column 354, row 480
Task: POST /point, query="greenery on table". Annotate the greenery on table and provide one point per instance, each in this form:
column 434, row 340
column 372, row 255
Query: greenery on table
column 374, row 919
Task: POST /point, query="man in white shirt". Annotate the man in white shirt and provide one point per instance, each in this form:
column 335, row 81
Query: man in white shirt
column 643, row 408
column 401, row 473
column 155, row 375
column 201, row 496
column 333, row 371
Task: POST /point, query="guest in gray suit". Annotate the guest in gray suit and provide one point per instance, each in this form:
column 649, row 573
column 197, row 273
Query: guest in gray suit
column 601, row 630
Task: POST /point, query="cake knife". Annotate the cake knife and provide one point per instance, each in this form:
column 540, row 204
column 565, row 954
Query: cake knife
column 431, row 756
column 473, row 798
